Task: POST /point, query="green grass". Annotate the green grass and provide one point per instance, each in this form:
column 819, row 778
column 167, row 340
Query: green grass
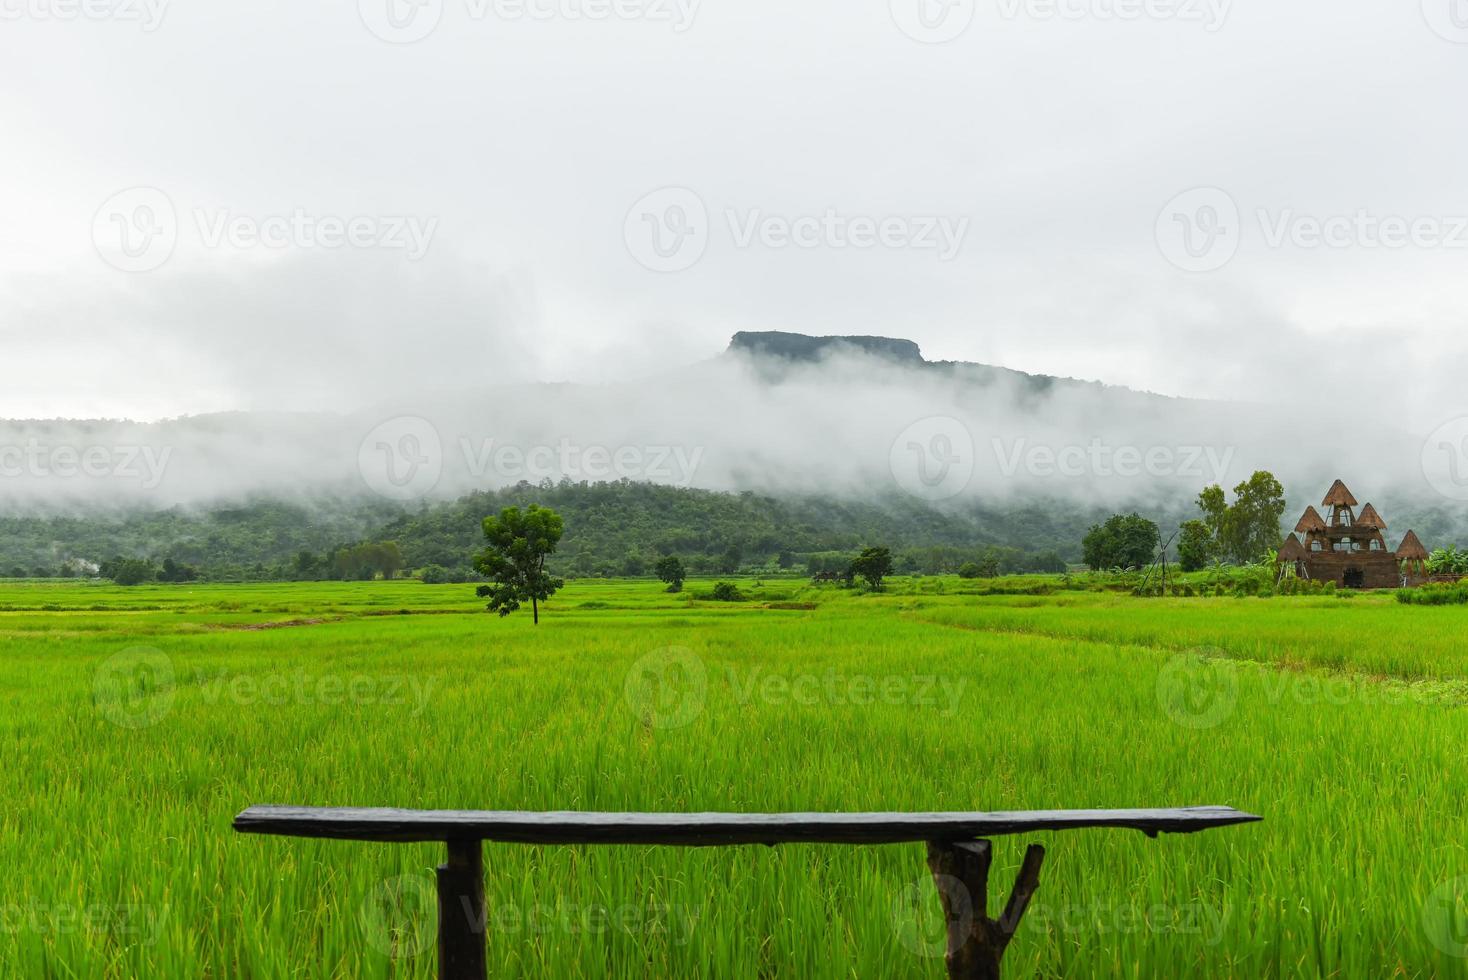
column 1340, row 721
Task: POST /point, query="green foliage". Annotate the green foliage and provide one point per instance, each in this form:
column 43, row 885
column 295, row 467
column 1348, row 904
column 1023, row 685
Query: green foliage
column 671, row 571
column 129, row 571
column 613, row 529
column 363, row 562
column 1435, row 595
column 514, row 560
column 173, row 571
column 727, row 592
column 873, row 565
column 1247, row 528
column 1195, row 546
column 1124, row 541
column 987, row 567
column 1448, row 561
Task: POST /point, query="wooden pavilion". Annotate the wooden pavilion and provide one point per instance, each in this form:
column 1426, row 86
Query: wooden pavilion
column 1350, row 549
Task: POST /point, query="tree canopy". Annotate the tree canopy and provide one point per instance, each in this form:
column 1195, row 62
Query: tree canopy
column 1248, row 528
column 1124, row 541
column 519, row 542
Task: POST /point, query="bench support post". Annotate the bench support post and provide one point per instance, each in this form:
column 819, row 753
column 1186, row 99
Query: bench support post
column 461, row 917
column 976, row 943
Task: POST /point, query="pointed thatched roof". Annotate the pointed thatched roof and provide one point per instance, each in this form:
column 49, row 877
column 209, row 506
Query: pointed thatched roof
column 1312, row 521
column 1412, row 549
column 1370, row 518
column 1292, row 550
column 1339, row 496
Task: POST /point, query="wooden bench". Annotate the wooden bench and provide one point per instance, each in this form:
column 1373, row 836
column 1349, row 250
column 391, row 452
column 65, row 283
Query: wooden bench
column 957, row 852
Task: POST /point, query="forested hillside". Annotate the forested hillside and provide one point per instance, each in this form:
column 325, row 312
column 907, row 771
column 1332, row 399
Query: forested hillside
column 611, row 529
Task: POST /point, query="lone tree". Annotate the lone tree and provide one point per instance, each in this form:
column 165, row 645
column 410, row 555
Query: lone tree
column 670, row 569
column 1124, row 541
column 873, row 564
column 514, row 561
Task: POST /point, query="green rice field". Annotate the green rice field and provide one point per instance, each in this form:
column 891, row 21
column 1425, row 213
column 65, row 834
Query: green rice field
column 138, row 722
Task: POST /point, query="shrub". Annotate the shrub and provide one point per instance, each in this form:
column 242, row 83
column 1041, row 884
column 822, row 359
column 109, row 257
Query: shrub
column 1435, row 595
column 727, row 592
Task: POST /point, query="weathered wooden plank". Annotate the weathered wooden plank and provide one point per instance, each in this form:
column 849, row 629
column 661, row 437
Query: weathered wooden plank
column 708, row 829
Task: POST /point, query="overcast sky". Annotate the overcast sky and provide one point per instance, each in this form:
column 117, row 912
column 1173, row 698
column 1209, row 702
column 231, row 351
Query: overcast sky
column 288, row 204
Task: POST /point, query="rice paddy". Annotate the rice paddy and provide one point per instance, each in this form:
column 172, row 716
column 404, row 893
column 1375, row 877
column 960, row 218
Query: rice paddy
column 138, row 722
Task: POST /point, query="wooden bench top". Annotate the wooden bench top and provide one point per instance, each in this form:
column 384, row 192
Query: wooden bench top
column 708, row 829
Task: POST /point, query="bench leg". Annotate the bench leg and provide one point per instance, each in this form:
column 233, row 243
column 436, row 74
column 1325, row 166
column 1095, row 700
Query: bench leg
column 461, row 919
column 976, row 943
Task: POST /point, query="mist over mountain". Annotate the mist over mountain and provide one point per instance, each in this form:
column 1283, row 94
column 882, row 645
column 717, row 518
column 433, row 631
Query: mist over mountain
column 855, row 418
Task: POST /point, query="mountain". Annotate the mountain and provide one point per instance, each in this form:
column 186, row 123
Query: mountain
column 799, row 347
column 861, row 432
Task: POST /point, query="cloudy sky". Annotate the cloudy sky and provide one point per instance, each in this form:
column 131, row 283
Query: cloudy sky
column 301, row 205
